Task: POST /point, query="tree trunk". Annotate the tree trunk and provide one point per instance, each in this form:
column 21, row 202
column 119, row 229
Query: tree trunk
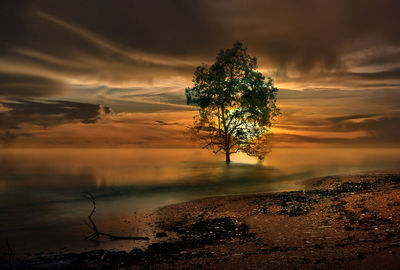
column 227, row 157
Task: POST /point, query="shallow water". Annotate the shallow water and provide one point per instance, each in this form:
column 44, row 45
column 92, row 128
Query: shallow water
column 42, row 188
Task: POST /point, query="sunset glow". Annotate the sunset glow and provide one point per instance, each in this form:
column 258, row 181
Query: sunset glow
column 199, row 134
column 337, row 87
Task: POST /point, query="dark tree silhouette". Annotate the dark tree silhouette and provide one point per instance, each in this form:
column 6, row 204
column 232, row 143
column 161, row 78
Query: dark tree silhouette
column 235, row 103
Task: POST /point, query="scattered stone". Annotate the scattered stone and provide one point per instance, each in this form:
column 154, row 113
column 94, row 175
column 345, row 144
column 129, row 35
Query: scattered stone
column 214, row 229
column 359, row 227
column 348, row 228
column 161, row 234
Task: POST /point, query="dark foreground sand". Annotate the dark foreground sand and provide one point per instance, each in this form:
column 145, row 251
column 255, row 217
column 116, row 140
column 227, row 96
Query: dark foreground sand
column 338, row 222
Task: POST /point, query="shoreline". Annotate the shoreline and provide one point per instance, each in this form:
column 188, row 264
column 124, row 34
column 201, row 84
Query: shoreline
column 345, row 221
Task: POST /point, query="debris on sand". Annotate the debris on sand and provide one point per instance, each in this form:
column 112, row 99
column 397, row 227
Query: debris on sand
column 338, row 222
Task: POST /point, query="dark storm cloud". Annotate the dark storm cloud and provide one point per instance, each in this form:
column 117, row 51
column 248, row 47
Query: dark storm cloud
column 350, row 117
column 315, row 94
column 166, row 27
column 388, row 58
column 302, row 32
column 383, row 131
column 115, row 41
column 13, row 23
column 133, row 106
column 380, row 129
column 22, row 86
column 164, row 123
column 385, row 97
column 307, row 33
column 71, row 40
column 168, row 98
column 138, row 56
column 392, row 74
column 332, row 124
column 386, row 129
column 47, row 113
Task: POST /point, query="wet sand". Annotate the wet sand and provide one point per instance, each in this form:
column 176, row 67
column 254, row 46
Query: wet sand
column 350, row 221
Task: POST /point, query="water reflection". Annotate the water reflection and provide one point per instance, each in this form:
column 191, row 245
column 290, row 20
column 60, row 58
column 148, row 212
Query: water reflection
column 42, row 188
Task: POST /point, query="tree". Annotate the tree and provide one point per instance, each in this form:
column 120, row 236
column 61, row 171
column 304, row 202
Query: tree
column 235, row 103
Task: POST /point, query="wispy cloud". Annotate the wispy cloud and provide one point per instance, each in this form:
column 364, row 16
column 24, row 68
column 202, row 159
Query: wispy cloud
column 338, row 69
column 100, row 41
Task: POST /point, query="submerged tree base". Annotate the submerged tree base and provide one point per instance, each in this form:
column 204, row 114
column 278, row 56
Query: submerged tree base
column 227, row 158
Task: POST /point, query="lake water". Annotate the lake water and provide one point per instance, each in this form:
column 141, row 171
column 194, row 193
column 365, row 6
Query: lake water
column 41, row 189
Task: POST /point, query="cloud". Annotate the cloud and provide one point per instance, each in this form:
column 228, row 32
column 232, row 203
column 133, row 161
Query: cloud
column 123, row 42
column 380, row 132
column 29, row 86
column 4, row 109
column 336, row 63
column 341, row 119
column 109, row 46
column 7, row 137
column 338, row 117
column 384, row 130
column 48, row 113
column 387, row 57
column 392, row 74
column 324, row 103
column 164, row 123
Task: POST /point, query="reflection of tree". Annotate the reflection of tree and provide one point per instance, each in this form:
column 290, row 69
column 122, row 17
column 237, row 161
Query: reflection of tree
column 235, row 103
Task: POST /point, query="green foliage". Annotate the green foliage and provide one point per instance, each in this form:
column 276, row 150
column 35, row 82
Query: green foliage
column 236, row 104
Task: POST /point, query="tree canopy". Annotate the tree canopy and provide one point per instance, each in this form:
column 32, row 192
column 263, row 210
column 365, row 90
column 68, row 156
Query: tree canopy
column 235, row 103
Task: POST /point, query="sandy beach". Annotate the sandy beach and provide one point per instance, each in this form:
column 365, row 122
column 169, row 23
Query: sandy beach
column 345, row 222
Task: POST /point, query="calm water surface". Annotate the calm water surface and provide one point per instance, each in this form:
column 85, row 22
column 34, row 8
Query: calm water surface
column 42, row 188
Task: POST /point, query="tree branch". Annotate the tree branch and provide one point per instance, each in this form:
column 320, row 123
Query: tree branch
column 10, row 254
column 96, row 233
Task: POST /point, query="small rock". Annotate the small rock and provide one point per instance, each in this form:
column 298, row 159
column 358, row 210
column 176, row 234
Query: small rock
column 161, row 234
column 348, row 228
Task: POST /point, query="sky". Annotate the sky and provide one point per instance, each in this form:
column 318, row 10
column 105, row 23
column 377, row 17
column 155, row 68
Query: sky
column 99, row 73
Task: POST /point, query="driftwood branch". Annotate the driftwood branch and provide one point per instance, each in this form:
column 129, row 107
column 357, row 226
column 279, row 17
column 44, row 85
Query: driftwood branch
column 96, row 233
column 10, row 254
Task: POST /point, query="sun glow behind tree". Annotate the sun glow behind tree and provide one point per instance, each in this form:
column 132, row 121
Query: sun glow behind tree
column 236, row 104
